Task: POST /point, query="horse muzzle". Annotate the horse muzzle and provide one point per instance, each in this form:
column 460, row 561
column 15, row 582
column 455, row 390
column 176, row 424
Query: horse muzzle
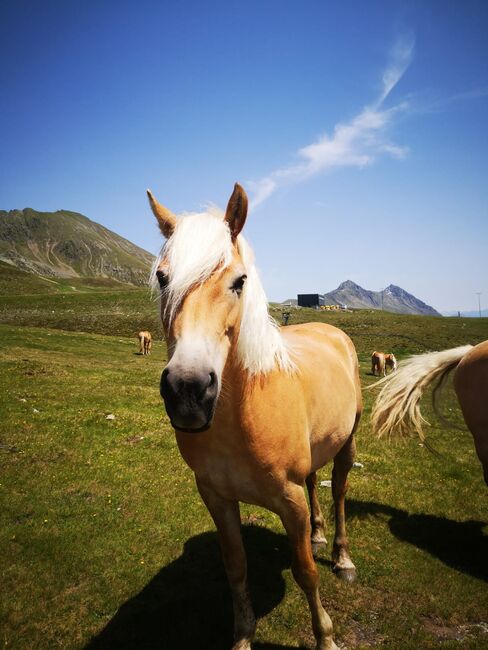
column 189, row 399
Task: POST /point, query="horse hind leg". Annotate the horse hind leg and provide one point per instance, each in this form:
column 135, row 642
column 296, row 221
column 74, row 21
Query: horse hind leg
column 343, row 566
column 480, row 437
column 317, row 520
column 294, row 514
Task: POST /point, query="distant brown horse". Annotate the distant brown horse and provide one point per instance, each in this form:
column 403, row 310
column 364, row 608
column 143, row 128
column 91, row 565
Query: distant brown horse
column 380, row 361
column 257, row 410
column 145, row 342
column 397, row 409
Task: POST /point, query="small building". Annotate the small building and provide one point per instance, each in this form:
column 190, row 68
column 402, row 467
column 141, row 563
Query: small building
column 310, row 300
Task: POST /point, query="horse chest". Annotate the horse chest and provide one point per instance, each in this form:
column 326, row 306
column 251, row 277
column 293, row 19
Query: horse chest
column 232, row 468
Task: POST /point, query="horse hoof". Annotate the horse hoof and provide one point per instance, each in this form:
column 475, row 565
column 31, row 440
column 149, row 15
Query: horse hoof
column 317, row 548
column 318, row 543
column 244, row 644
column 348, row 575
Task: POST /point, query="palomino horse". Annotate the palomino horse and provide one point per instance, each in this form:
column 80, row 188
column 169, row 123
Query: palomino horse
column 256, row 410
column 145, row 342
column 397, row 407
column 380, row 361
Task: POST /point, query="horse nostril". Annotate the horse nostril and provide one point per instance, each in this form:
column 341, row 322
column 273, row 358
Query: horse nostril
column 212, row 378
column 165, row 377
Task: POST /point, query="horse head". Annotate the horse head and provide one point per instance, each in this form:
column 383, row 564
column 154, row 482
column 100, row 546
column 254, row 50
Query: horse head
column 201, row 277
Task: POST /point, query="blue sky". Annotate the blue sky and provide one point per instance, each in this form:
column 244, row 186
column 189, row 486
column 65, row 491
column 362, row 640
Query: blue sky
column 359, row 130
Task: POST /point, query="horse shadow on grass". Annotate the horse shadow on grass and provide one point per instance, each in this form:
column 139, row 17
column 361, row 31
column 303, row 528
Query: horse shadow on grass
column 187, row 605
column 458, row 544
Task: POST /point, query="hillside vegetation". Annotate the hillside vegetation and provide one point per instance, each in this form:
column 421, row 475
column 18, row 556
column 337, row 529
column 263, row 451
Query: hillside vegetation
column 66, row 244
column 125, row 312
column 14, row 282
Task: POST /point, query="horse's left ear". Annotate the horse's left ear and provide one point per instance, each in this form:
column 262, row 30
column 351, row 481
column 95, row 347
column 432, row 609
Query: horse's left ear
column 236, row 212
column 166, row 219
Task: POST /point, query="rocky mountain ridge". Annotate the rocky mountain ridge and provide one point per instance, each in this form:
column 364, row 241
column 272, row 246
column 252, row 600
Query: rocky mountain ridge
column 67, row 244
column 392, row 298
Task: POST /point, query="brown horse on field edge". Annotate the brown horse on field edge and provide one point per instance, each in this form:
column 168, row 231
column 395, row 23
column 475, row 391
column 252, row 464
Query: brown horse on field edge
column 145, row 342
column 380, row 361
column 256, row 410
column 397, row 406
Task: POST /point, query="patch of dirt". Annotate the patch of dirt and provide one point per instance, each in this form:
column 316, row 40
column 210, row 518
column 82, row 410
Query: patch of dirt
column 360, row 635
column 444, row 632
column 22, row 518
column 251, row 519
column 132, row 440
column 9, row 448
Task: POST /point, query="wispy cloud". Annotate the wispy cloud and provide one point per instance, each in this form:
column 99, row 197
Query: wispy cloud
column 400, row 58
column 355, row 143
column 425, row 105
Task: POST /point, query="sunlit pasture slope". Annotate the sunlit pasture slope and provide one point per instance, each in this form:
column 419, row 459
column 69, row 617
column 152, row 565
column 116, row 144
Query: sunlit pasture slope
column 105, row 541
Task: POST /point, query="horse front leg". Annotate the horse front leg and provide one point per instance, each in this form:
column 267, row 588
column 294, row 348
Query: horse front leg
column 293, row 511
column 227, row 519
column 343, row 567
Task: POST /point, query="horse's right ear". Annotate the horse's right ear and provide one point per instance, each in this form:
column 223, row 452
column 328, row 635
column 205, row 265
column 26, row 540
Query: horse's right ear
column 166, row 219
column 236, row 212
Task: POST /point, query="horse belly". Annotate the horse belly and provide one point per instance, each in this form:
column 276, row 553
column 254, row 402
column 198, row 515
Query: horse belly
column 333, row 413
column 326, row 444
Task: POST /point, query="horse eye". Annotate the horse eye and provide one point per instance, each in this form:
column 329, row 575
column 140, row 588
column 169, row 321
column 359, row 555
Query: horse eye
column 162, row 279
column 238, row 284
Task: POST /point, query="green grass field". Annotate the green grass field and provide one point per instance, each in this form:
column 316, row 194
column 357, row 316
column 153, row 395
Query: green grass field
column 106, row 544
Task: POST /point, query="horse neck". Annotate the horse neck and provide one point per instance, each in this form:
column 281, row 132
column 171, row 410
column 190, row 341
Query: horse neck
column 234, row 376
column 236, row 384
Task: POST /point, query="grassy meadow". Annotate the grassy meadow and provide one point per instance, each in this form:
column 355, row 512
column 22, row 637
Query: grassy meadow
column 106, row 544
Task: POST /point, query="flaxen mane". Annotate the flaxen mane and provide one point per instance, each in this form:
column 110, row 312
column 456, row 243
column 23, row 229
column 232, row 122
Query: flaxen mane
column 200, row 244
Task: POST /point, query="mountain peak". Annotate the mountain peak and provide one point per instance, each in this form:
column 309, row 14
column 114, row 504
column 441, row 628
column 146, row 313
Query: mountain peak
column 348, row 284
column 392, row 298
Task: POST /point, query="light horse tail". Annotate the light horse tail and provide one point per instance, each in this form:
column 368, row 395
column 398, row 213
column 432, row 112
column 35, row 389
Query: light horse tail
column 396, row 411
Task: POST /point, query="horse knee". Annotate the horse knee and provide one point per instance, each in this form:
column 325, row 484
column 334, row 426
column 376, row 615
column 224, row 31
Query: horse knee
column 317, row 520
column 306, row 574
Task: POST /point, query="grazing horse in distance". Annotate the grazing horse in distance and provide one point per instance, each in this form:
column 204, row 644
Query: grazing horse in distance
column 145, row 342
column 378, row 364
column 397, row 409
column 380, row 361
column 256, row 409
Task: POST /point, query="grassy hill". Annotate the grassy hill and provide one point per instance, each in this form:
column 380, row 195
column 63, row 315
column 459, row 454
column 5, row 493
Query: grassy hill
column 68, row 245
